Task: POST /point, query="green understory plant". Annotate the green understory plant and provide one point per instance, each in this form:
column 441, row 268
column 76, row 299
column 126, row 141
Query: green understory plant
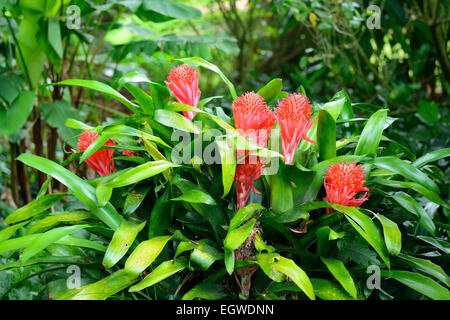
column 163, row 222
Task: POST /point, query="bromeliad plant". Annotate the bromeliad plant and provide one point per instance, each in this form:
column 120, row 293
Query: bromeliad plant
column 307, row 220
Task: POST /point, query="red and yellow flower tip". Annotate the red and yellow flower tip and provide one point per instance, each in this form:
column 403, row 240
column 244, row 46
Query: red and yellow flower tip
column 294, row 116
column 247, row 172
column 343, row 182
column 253, row 118
column 127, row 153
column 183, row 83
column 100, row 161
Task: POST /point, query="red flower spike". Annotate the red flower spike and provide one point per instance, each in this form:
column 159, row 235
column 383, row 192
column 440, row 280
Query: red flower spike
column 183, row 82
column 254, row 120
column 247, row 172
column 293, row 114
column 343, row 182
column 102, row 160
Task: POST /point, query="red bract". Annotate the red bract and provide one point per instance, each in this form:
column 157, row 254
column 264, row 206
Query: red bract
column 102, row 160
column 247, row 172
column 254, row 120
column 343, row 182
column 293, row 114
column 183, row 82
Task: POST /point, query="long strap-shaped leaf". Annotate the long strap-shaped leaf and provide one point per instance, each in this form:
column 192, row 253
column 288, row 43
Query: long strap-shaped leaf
column 80, row 188
column 100, row 87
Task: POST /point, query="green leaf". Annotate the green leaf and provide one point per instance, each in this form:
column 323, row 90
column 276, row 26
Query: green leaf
column 160, row 217
column 228, row 162
column 281, row 197
column 76, row 124
column 260, row 245
column 34, row 207
column 427, row 193
column 7, row 233
column 340, row 272
column 134, row 199
column 410, row 204
column 201, row 62
column 296, row 274
column 406, row 170
column 428, row 267
column 196, row 196
column 419, row 283
column 428, row 110
column 80, row 188
column 229, row 260
column 440, row 244
column 80, row 242
column 325, row 240
column 145, row 253
column 17, row 243
column 206, row 291
column 46, row 239
column 266, row 261
column 204, row 255
column 163, row 10
column 431, row 156
column 120, row 130
column 102, row 289
column 328, row 290
column 175, row 120
column 392, row 235
column 49, row 221
column 100, row 87
column 140, row 173
column 143, row 98
column 54, row 36
column 161, row 272
column 31, row 57
column 326, row 135
column 371, row 135
column 103, row 194
column 271, row 90
column 236, row 237
column 13, row 118
column 366, row 228
column 98, row 143
column 243, row 214
column 335, row 106
column 121, row 241
column 77, row 260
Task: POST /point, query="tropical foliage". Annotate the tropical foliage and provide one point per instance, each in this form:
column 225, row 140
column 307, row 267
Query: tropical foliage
column 164, row 176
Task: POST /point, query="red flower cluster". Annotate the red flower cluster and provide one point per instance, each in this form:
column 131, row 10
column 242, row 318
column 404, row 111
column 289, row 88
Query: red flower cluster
column 343, row 182
column 293, row 115
column 102, row 160
column 254, row 120
column 183, row 82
